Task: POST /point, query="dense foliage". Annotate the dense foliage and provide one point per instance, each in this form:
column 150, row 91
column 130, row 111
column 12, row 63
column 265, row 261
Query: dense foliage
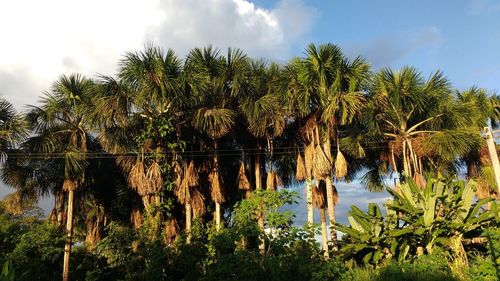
column 176, row 169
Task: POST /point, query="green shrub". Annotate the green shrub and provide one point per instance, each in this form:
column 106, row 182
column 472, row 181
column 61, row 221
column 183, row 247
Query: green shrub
column 482, row 269
column 423, row 268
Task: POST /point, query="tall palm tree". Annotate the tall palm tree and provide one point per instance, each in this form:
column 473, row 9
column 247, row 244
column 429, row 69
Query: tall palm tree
column 420, row 123
column 62, row 125
column 262, row 108
column 136, row 113
column 13, row 129
column 327, row 91
column 217, row 80
column 485, row 109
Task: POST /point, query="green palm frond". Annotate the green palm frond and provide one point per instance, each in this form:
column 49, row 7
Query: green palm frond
column 215, row 122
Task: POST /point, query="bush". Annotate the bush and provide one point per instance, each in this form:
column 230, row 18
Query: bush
column 38, row 254
column 423, row 268
column 482, row 269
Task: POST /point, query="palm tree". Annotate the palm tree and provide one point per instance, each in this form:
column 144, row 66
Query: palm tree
column 263, row 110
column 327, row 91
column 12, row 128
column 412, row 126
column 485, row 109
column 61, row 125
column 136, row 113
column 217, row 80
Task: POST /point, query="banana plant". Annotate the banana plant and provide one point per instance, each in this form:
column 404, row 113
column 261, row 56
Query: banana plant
column 369, row 236
column 442, row 213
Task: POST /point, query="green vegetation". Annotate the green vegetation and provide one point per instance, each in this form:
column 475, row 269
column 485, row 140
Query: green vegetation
column 177, row 170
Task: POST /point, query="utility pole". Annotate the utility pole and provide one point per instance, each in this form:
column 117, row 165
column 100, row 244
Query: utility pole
column 493, row 155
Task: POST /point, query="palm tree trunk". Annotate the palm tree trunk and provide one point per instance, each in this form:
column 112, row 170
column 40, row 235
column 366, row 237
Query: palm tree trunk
column 331, row 206
column 310, row 207
column 69, row 234
column 188, row 222
column 258, row 186
column 59, row 206
column 405, row 161
column 217, row 204
column 324, row 232
column 217, row 216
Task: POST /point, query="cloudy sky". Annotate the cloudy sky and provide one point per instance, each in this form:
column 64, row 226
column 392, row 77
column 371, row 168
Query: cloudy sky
column 43, row 39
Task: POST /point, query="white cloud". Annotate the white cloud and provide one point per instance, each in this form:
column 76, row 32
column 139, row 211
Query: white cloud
column 43, row 39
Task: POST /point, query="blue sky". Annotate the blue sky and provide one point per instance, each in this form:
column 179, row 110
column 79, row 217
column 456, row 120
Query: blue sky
column 459, row 37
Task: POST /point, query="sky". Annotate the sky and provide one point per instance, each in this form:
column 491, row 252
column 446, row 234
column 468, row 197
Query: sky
column 44, row 39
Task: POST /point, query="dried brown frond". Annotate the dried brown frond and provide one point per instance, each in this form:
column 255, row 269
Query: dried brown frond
column 13, row 203
column 309, row 127
column 243, row 183
column 419, row 180
column 183, row 192
column 319, row 194
column 273, row 181
column 340, row 165
column 153, row 175
column 137, row 178
column 197, row 203
column 206, row 166
column 178, row 175
column 125, row 162
column 191, row 175
column 136, row 218
column 484, row 156
column 69, row 185
column 171, row 230
column 322, row 166
column 483, row 189
column 309, row 159
column 216, row 189
column 300, row 173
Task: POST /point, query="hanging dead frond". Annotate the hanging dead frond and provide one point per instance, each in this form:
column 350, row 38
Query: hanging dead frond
column 154, row 178
column 191, row 175
column 137, row 178
column 206, row 166
column 178, row 175
column 136, row 218
column 309, row 159
column 171, row 231
column 243, row 183
column 13, row 203
column 197, row 203
column 300, row 173
column 183, row 192
column 419, row 180
column 216, row 191
column 310, row 126
column 273, row 181
column 322, row 166
column 319, row 194
column 340, row 165
column 483, row 189
column 69, row 185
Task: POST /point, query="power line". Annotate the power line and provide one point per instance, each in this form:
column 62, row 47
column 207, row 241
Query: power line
column 193, row 153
